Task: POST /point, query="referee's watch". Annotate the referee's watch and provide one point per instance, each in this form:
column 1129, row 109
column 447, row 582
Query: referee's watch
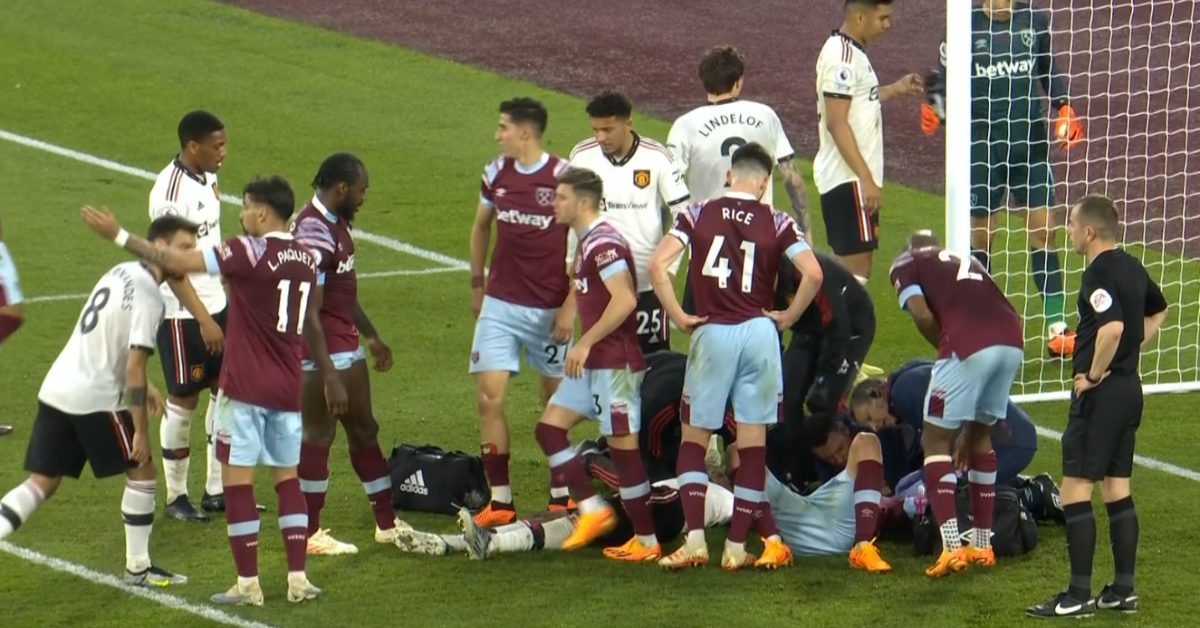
column 1088, row 377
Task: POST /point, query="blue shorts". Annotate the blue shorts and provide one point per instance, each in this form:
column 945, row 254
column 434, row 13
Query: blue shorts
column 504, row 328
column 818, row 524
column 611, row 396
column 10, row 284
column 975, row 389
column 341, row 360
column 248, row 435
column 733, row 362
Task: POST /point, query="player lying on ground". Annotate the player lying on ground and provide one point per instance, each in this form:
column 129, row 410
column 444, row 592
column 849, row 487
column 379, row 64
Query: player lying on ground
column 959, row 309
column 191, row 339
column 271, row 280
column 604, row 373
column 525, row 304
column 829, row 341
column 738, row 243
column 1013, row 72
column 550, row 530
column 826, row 507
column 324, row 227
column 12, row 313
column 95, row 403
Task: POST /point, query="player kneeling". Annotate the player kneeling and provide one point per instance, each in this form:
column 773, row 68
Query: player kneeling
column 604, row 374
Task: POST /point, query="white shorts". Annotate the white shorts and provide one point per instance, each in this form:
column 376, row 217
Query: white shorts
column 504, row 329
column 975, row 389
column 10, row 283
column 738, row 363
column 248, row 435
column 341, row 360
column 611, row 396
column 818, row 524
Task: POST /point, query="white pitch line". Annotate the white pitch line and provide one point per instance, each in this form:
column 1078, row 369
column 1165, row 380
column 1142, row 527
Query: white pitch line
column 1145, row 461
column 158, row 597
column 108, row 164
column 57, row 297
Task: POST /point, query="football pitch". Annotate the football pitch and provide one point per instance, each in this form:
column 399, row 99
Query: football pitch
column 89, row 97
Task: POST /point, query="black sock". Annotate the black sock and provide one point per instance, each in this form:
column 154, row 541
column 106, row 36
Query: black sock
column 984, row 258
column 1123, row 532
column 1081, row 547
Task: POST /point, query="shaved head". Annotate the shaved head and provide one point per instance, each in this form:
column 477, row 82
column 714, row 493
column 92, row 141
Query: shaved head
column 921, row 239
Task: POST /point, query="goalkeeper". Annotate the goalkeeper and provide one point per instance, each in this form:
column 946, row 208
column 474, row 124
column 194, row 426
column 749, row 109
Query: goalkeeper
column 1013, row 73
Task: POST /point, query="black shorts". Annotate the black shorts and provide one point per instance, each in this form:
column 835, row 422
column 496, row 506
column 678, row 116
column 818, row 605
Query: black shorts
column 653, row 328
column 61, row 443
column 1101, row 430
column 849, row 228
column 666, row 509
column 187, row 366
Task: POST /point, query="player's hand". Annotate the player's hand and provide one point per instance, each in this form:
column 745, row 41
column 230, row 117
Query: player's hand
column 688, row 323
column 141, row 448
column 929, row 119
column 214, row 338
column 1068, row 129
column 154, row 401
column 564, row 325
column 101, row 221
column 381, row 354
column 1082, row 384
column 872, row 196
column 576, row 358
column 962, row 455
column 782, row 319
column 908, row 85
column 476, row 300
column 336, row 400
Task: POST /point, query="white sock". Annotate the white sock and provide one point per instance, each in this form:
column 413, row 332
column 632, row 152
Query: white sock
column 137, row 508
column 212, row 485
column 556, row 532
column 174, row 435
column 297, row 578
column 247, row 583
column 454, row 542
column 591, row 504
column 647, row 540
column 502, row 494
column 862, row 281
column 951, row 541
column 695, row 539
column 18, row 505
column 559, row 492
column 739, row 548
column 518, row 540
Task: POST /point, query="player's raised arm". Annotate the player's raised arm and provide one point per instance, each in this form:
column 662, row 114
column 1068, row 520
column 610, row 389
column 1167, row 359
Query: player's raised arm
column 172, row 261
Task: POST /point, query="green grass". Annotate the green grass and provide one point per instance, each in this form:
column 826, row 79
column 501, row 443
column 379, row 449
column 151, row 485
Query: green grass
column 113, row 80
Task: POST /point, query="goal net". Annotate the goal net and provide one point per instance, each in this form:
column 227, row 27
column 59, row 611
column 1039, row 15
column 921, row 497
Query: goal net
column 1132, row 72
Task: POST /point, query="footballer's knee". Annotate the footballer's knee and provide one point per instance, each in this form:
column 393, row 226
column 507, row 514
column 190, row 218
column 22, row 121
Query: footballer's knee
column 865, row 446
column 320, row 434
column 143, row 473
column 363, row 433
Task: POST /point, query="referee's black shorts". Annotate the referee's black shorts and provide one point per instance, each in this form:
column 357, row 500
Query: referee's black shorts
column 1101, row 430
column 62, row 443
column 187, row 366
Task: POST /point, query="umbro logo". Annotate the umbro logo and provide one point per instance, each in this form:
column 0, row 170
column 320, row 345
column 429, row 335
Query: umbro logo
column 415, row 484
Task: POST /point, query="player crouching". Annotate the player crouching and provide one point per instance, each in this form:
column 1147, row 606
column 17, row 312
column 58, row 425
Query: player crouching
column 604, row 373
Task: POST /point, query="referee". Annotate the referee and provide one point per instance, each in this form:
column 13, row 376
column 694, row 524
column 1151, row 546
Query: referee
column 1120, row 309
column 829, row 341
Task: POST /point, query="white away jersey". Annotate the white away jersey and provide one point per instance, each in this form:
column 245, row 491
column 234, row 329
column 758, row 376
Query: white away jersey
column 197, row 199
column 843, row 71
column 636, row 189
column 703, row 140
column 124, row 310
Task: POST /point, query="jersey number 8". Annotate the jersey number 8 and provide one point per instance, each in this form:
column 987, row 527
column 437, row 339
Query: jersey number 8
column 91, row 313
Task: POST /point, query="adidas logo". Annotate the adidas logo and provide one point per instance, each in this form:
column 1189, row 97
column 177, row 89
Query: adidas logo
column 415, row 484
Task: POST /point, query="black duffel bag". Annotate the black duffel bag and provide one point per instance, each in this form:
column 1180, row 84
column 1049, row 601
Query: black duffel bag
column 1014, row 531
column 426, row 478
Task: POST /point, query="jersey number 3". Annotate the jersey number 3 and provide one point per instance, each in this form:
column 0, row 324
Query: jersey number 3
column 285, row 289
column 717, row 266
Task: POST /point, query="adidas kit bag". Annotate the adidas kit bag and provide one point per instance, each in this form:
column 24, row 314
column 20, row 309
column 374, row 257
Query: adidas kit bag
column 426, row 478
column 1014, row 531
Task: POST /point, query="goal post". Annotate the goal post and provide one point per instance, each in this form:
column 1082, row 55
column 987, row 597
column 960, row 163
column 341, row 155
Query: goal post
column 1132, row 73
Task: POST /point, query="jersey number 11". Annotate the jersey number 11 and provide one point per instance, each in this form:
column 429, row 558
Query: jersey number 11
column 284, row 287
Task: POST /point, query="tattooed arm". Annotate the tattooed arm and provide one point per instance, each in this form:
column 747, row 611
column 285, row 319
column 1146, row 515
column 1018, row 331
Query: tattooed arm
column 135, row 399
column 173, row 262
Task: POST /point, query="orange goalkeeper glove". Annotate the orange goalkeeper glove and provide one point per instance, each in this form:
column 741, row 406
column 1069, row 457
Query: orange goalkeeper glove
column 1068, row 129
column 929, row 119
